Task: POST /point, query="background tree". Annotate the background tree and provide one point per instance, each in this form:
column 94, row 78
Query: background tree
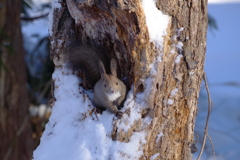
column 16, row 141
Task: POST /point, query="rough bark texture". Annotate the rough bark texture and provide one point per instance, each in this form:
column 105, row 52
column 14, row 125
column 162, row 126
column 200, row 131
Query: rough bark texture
column 118, row 28
column 179, row 120
column 15, row 131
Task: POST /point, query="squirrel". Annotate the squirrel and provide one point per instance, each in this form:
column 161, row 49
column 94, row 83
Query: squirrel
column 109, row 91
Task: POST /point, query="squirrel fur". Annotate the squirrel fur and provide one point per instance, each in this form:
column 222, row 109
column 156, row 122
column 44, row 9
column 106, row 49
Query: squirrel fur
column 109, row 91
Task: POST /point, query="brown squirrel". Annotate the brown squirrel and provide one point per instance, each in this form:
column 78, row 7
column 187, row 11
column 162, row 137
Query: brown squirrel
column 109, row 91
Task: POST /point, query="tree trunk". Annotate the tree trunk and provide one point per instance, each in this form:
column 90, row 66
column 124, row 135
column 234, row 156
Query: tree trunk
column 119, row 28
column 15, row 132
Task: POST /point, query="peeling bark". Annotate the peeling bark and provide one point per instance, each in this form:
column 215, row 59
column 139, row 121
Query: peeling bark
column 118, row 29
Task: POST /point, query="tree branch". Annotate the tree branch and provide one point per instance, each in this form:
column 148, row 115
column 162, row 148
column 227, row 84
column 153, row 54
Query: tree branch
column 210, row 139
column 208, row 116
column 34, row 18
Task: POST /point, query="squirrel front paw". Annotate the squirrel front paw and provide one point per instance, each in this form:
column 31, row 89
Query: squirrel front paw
column 119, row 114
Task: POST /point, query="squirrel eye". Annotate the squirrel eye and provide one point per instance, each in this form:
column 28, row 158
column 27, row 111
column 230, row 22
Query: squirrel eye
column 116, row 83
column 105, row 85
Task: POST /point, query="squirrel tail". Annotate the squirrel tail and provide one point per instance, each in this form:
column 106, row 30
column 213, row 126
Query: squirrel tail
column 83, row 57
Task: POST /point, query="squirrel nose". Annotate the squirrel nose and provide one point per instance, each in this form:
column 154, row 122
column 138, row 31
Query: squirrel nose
column 112, row 90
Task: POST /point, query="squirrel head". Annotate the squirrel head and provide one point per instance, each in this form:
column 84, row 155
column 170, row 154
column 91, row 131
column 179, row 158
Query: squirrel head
column 111, row 85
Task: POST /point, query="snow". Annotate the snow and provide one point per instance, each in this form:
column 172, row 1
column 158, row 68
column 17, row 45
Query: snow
column 174, row 92
column 56, row 4
column 180, row 30
column 179, row 45
column 178, row 58
column 159, row 136
column 39, row 2
column 157, row 22
column 154, row 156
column 29, row 28
column 85, row 133
column 170, row 102
column 33, row 32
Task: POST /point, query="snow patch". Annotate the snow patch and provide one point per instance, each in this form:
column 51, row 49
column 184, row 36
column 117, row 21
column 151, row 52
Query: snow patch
column 159, row 136
column 178, row 58
column 56, row 4
column 191, row 72
column 73, row 123
column 157, row 22
column 180, row 30
column 154, row 156
column 170, row 101
column 179, row 45
column 173, row 92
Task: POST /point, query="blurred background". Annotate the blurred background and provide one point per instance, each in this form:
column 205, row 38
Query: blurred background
column 222, row 67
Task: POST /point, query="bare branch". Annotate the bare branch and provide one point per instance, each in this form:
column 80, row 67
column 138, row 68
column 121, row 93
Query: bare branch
column 208, row 116
column 34, row 18
column 210, row 139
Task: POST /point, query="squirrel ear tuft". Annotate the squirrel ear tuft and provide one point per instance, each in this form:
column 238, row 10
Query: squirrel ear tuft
column 102, row 70
column 114, row 67
column 103, row 77
column 101, row 67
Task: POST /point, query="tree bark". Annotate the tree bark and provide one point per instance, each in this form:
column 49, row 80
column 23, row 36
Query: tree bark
column 118, row 28
column 15, row 132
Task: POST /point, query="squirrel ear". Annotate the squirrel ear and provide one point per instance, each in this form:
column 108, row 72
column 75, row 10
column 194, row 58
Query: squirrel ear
column 103, row 77
column 114, row 67
column 102, row 69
